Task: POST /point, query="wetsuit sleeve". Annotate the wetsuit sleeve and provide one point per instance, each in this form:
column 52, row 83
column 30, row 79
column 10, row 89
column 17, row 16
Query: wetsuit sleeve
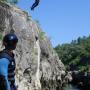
column 4, row 71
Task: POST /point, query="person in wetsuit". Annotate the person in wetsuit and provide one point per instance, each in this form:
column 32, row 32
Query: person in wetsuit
column 7, row 63
column 35, row 4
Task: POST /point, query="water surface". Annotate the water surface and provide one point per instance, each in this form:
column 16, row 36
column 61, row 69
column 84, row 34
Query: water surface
column 70, row 87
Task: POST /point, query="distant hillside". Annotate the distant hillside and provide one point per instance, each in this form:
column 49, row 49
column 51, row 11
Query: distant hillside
column 75, row 55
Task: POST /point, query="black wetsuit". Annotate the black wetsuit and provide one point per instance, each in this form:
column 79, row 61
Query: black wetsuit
column 35, row 4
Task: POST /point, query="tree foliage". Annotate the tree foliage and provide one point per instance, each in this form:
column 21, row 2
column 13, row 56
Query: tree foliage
column 75, row 55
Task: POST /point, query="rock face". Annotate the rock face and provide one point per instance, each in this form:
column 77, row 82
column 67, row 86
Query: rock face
column 38, row 66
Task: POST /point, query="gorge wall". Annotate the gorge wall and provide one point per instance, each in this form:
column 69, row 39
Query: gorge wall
column 38, row 65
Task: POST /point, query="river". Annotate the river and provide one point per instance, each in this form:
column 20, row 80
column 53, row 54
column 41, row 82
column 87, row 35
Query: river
column 74, row 87
column 70, row 87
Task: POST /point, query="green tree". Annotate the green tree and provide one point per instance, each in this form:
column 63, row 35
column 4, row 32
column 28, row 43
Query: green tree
column 75, row 55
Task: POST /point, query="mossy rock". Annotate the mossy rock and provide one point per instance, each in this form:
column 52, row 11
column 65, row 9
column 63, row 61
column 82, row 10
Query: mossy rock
column 1, row 36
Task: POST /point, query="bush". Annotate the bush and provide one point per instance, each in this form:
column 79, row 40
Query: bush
column 41, row 35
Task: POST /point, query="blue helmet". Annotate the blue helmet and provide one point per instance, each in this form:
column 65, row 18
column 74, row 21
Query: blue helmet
column 10, row 40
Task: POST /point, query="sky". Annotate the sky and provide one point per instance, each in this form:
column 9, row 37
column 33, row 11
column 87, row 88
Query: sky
column 61, row 20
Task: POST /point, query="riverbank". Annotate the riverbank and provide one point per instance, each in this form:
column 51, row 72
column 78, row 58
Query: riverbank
column 76, row 79
column 74, row 87
column 82, row 79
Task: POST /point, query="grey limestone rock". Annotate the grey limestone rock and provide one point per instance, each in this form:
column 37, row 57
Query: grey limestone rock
column 38, row 65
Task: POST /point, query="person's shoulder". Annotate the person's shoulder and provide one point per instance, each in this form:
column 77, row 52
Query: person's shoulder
column 4, row 54
column 4, row 60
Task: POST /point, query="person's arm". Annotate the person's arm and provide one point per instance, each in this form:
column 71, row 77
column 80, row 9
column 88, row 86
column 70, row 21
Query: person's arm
column 4, row 72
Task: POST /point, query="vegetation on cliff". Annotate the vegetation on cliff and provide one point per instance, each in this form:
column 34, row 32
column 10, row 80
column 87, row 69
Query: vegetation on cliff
column 13, row 2
column 75, row 55
column 1, row 36
column 10, row 1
